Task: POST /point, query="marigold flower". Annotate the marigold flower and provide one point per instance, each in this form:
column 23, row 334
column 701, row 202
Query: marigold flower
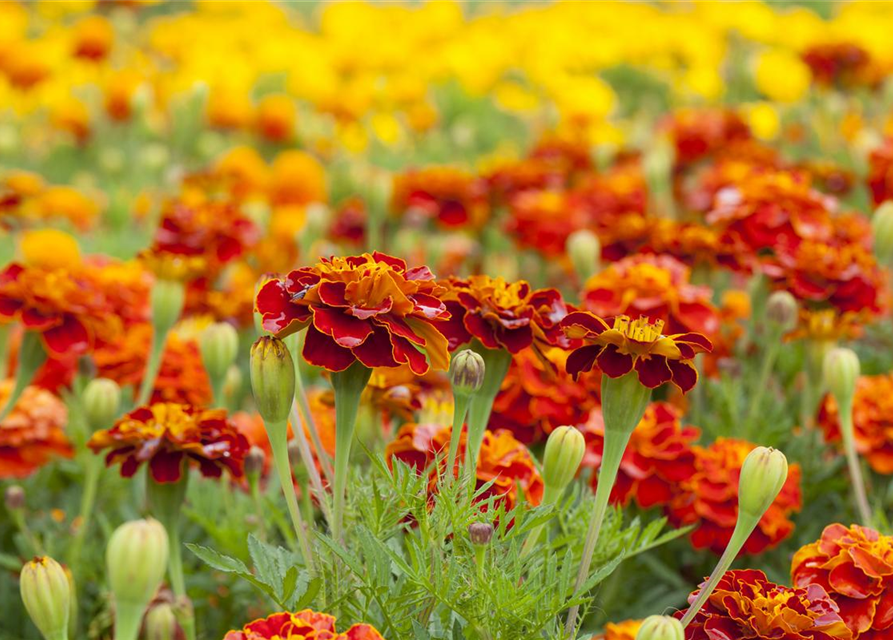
column 165, row 434
column 369, row 308
column 229, row 108
column 626, row 345
column 296, row 178
column 709, row 500
column 880, row 172
column 625, row 630
column 33, row 433
column 658, row 458
column 303, row 625
column 855, row 566
column 842, row 64
column 450, row 196
column 275, row 117
column 746, row 605
column 542, row 220
column 697, row 133
column 93, row 38
column 655, row 286
column 827, row 325
column 503, row 460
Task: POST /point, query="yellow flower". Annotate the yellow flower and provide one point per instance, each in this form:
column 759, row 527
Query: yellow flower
column 781, row 76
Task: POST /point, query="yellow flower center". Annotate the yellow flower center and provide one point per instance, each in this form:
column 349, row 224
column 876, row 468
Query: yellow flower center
column 640, row 330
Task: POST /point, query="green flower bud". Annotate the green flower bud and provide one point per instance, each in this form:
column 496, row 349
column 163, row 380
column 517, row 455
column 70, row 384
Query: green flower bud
column 272, row 378
column 254, row 462
column 763, row 474
column 584, row 249
column 467, row 372
column 564, row 452
column 781, row 311
column 136, row 558
column 14, row 498
column 661, row 628
column 160, row 623
column 102, row 400
column 167, row 303
column 480, row 533
column 232, row 384
column 841, row 369
column 219, row 345
column 882, row 229
column 46, row 593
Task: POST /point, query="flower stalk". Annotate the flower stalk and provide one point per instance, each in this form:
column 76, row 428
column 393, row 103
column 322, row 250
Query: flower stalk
column 496, row 366
column 168, row 297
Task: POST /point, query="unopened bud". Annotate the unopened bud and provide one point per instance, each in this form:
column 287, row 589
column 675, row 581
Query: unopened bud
column 232, row 384
column 272, row 379
column 136, row 558
column 161, row 623
column 480, row 533
column 102, row 400
column 564, row 452
column 46, row 593
column 841, row 369
column 219, row 346
column 254, row 462
column 467, row 372
column 882, row 230
column 763, row 474
column 167, row 303
column 781, row 311
column 14, row 497
column 584, row 249
column 294, row 452
column 661, row 628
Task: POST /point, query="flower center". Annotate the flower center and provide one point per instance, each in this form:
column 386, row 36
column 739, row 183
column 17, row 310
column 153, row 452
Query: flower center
column 640, row 330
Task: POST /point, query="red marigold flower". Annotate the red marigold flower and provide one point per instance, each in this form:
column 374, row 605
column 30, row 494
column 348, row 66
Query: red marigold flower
column 625, row 630
column 842, row 64
column 542, row 220
column 690, row 243
column 503, row 460
column 350, row 222
column 746, row 605
column 880, row 172
column 165, row 434
column 369, row 308
column 855, row 566
column 709, row 500
column 625, row 345
column 658, row 458
column 450, row 196
column 697, row 133
column 872, row 421
column 33, row 433
column 303, row 625
column 537, row 396
column 827, row 325
column 655, row 286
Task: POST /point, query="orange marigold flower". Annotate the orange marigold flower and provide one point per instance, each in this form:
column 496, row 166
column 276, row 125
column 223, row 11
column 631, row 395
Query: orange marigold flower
column 93, row 38
column 303, row 625
column 690, row 243
column 880, row 172
column 746, row 605
column 120, row 90
column 450, row 196
column 654, row 286
column 542, row 220
column 275, row 118
column 626, row 344
column 872, row 421
column 625, row 630
column 369, row 308
column 503, row 460
column 709, row 500
column 537, row 396
column 827, row 325
column 296, row 178
column 33, row 433
column 164, row 435
column 229, row 108
column 855, row 566
column 658, row 458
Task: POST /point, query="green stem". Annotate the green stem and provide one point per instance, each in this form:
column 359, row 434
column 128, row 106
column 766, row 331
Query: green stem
column 550, row 496
column 217, row 395
column 295, row 345
column 312, row 472
column 496, row 365
column 349, row 385
column 756, row 398
column 254, row 485
column 153, row 364
column 93, row 469
column 128, row 619
column 845, row 414
column 460, row 410
column 278, row 434
column 31, row 358
column 18, row 516
column 480, row 559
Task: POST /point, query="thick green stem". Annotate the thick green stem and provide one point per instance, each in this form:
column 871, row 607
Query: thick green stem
column 278, row 434
column 496, row 365
column 460, row 410
column 167, row 299
column 845, row 412
column 153, row 364
column 128, row 619
column 348, row 385
column 480, row 560
column 550, row 496
column 31, row 358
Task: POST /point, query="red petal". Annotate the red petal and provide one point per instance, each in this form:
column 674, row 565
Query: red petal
column 347, row 331
column 377, row 350
column 685, row 376
column 166, row 466
column 613, row 363
column 320, row 350
column 582, row 359
column 653, row 371
column 69, row 337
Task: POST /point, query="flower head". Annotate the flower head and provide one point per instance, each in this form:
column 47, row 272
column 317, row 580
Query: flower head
column 626, row 345
column 33, row 433
column 625, row 630
column 369, row 308
column 165, row 434
column 303, row 625
column 450, row 196
column 855, row 566
column 746, row 605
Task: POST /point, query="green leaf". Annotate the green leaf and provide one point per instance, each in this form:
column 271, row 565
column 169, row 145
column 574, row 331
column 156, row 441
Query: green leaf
column 217, row 560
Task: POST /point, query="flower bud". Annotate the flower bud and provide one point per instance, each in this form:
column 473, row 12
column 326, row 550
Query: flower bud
column 102, row 399
column 167, row 303
column 763, row 474
column 160, row 623
column 584, row 249
column 882, row 230
column 219, row 345
column 841, row 368
column 14, row 497
column 272, row 378
column 661, row 628
column 136, row 557
column 294, row 452
column 564, row 452
column 480, row 533
column 46, row 593
column 781, row 311
column 467, row 372
column 254, row 462
column 232, row 384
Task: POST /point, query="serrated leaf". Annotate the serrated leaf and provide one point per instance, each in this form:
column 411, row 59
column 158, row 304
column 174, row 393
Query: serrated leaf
column 217, row 560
